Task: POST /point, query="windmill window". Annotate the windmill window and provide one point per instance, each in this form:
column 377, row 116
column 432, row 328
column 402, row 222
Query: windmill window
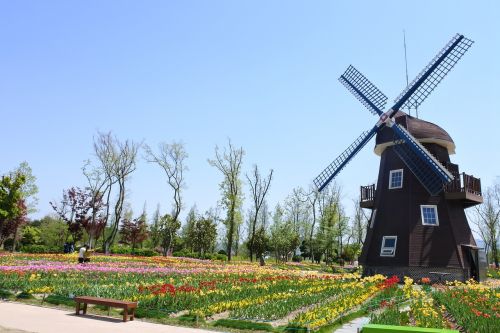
column 388, row 246
column 429, row 215
column 396, row 179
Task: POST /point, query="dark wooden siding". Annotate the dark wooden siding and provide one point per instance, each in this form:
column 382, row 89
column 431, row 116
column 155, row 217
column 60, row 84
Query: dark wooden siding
column 398, row 214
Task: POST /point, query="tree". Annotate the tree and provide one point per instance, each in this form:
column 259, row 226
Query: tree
column 12, row 207
column 118, row 160
column 134, row 231
column 171, row 158
column 98, row 187
column 204, row 235
column 258, row 188
column 53, row 231
column 74, row 210
column 297, row 211
column 188, row 231
column 168, row 230
column 312, row 199
column 341, row 231
column 261, row 244
column 487, row 220
column 154, row 233
column 29, row 189
column 27, row 202
column 229, row 164
column 359, row 224
column 284, row 238
column 103, row 175
column 328, row 237
column 30, row 235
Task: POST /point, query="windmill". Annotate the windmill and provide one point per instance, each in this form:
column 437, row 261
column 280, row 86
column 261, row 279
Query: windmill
column 418, row 226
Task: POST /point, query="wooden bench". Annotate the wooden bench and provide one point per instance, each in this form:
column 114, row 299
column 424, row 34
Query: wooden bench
column 125, row 305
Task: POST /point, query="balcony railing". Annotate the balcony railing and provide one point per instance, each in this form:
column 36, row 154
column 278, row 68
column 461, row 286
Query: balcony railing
column 464, row 183
column 367, row 196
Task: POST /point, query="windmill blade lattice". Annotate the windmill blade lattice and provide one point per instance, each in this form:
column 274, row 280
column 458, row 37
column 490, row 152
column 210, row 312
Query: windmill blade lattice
column 341, row 161
column 428, row 170
column 365, row 91
column 418, row 90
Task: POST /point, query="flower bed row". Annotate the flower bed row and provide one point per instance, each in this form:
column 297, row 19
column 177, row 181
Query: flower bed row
column 354, row 294
column 475, row 307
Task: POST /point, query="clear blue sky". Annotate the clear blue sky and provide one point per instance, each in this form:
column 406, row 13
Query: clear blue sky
column 263, row 73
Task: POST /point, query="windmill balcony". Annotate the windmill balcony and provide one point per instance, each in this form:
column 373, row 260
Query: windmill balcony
column 465, row 188
column 367, row 196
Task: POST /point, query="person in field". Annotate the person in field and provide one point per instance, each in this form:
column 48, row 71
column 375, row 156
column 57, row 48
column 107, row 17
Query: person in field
column 84, row 254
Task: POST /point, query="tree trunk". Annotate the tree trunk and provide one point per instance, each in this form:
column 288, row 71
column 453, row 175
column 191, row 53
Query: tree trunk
column 14, row 243
column 231, row 231
column 494, row 253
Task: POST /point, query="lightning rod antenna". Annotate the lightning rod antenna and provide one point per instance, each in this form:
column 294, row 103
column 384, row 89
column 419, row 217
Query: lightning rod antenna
column 406, row 66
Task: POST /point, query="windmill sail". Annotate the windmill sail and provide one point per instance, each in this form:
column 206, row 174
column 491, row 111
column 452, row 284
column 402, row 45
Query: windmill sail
column 365, row 91
column 428, row 170
column 418, row 90
column 341, row 161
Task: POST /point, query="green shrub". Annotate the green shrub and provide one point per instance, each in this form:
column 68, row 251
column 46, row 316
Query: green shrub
column 59, row 299
column 208, row 256
column 120, row 250
column 36, row 248
column 244, row 325
column 24, row 295
column 220, row 256
column 4, row 294
column 141, row 312
column 185, row 253
column 137, row 252
column 187, row 318
column 145, row 252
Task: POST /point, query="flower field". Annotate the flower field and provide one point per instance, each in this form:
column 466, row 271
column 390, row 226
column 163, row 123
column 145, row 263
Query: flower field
column 285, row 295
column 468, row 307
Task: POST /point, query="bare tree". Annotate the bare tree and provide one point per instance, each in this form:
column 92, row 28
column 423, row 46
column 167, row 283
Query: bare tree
column 117, row 161
column 296, row 210
column 312, row 199
column 105, row 151
column 258, row 187
column 329, row 214
column 98, row 185
column 487, row 220
column 359, row 224
column 171, row 158
column 229, row 164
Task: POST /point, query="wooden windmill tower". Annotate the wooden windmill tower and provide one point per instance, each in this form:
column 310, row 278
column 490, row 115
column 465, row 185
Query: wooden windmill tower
column 418, row 226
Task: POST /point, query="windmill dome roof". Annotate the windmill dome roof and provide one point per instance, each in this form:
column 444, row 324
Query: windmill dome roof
column 424, row 131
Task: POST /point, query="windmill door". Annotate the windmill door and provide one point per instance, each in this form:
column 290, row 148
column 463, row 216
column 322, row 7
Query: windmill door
column 471, row 253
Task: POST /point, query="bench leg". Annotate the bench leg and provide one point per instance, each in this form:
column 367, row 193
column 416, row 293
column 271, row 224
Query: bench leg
column 132, row 316
column 77, row 308
column 125, row 314
column 84, row 308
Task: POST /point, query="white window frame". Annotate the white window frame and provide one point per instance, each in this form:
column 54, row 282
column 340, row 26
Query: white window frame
column 435, row 211
column 388, row 251
column 372, row 221
column 390, row 178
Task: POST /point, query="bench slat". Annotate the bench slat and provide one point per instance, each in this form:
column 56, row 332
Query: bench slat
column 104, row 301
column 126, row 305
